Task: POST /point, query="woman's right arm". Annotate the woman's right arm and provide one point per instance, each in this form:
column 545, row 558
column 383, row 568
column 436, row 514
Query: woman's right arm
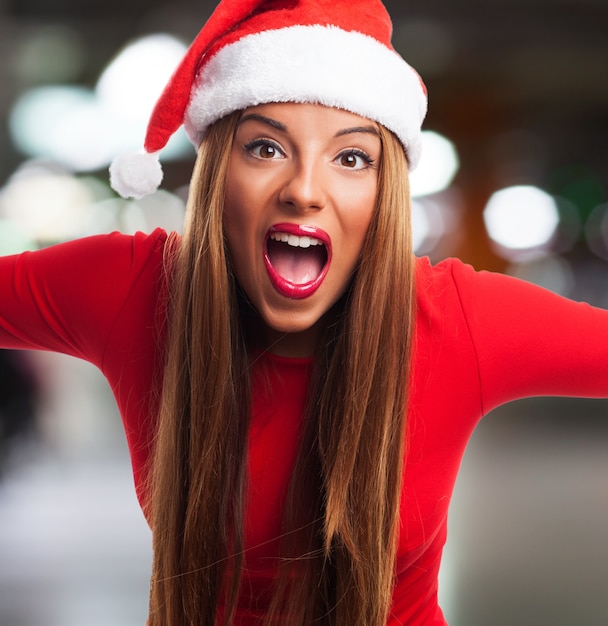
column 66, row 298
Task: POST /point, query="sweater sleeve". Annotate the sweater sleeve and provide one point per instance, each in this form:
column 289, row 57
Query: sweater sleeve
column 530, row 341
column 66, row 298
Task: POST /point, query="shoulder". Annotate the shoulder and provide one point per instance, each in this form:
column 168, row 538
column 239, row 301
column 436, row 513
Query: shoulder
column 449, row 272
column 440, row 285
column 451, row 282
column 112, row 259
column 113, row 246
column 442, row 324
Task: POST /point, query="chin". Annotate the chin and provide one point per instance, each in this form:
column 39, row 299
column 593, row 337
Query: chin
column 292, row 323
column 294, row 319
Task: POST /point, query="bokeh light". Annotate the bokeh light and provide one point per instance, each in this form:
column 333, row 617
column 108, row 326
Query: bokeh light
column 85, row 129
column 437, row 167
column 65, row 124
column 521, row 218
column 47, row 203
column 43, row 203
column 13, row 239
column 428, row 225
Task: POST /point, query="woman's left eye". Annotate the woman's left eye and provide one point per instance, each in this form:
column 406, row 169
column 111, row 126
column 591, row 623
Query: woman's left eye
column 354, row 159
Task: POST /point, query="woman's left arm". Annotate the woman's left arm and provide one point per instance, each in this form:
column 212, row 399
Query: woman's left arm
column 530, row 341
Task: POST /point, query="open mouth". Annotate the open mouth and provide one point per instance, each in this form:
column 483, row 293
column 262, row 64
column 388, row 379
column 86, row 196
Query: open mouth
column 297, row 258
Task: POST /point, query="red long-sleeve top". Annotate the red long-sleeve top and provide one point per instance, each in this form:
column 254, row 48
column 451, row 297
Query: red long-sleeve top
column 481, row 340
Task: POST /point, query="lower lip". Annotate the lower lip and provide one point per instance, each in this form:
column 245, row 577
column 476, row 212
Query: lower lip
column 293, row 290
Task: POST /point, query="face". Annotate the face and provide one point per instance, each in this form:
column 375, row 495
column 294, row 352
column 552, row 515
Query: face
column 301, row 191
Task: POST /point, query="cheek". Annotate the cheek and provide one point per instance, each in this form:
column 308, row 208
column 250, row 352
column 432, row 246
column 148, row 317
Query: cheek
column 358, row 220
column 359, row 197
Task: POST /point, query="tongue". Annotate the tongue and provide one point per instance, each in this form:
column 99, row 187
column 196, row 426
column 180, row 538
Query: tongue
column 296, row 265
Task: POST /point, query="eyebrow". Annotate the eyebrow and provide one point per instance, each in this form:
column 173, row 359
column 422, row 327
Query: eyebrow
column 265, row 120
column 371, row 130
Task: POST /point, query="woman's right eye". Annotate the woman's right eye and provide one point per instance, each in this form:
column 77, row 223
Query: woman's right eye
column 264, row 149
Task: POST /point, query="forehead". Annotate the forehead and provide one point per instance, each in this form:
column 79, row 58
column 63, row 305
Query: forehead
column 292, row 114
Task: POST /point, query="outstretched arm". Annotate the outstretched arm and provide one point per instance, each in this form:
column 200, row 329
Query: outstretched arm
column 530, row 341
column 67, row 298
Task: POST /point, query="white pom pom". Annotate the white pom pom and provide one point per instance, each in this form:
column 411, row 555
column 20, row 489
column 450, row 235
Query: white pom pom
column 135, row 174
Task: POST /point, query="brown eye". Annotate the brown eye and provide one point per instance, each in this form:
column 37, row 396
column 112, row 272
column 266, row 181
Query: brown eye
column 354, row 159
column 349, row 160
column 264, row 149
column 267, row 151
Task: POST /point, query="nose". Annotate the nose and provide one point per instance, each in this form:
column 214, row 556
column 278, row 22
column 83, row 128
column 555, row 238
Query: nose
column 304, row 186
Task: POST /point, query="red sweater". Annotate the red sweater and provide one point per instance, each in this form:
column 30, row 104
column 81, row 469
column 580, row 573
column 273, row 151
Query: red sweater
column 482, row 339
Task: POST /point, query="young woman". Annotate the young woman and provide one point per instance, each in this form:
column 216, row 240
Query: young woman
column 297, row 389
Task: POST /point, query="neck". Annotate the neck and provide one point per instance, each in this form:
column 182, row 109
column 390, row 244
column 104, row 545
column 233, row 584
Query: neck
column 295, row 345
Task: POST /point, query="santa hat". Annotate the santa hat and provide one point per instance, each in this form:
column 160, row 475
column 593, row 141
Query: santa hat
column 332, row 52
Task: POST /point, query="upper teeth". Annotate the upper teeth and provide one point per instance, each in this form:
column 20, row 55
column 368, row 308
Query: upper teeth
column 296, row 241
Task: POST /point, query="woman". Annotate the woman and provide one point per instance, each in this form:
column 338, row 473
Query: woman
column 297, row 389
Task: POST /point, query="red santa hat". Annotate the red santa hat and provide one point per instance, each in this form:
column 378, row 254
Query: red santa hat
column 332, row 52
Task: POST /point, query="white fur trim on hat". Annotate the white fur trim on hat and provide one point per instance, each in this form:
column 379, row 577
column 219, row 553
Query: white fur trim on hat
column 320, row 64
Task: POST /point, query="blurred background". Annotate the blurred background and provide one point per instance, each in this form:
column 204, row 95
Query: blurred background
column 514, row 179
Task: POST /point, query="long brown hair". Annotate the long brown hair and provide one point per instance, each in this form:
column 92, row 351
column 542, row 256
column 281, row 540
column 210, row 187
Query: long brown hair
column 345, row 492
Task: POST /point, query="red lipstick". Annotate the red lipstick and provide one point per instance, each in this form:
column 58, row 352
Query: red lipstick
column 297, row 258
